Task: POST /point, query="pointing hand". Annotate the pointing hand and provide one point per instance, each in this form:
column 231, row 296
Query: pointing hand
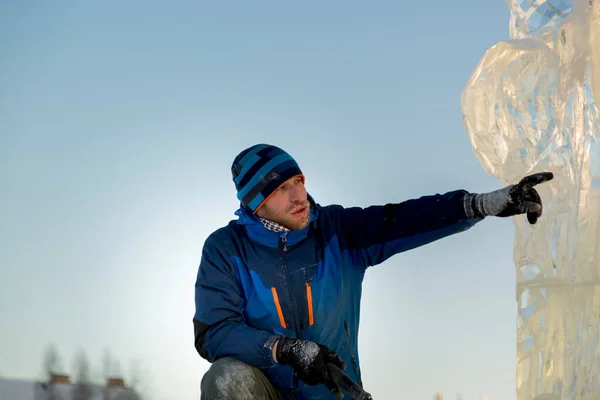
column 520, row 198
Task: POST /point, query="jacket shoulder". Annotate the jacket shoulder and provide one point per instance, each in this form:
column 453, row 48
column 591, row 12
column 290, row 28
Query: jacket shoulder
column 223, row 239
column 329, row 218
column 330, row 211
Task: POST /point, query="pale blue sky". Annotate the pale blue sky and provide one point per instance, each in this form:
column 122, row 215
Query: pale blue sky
column 119, row 122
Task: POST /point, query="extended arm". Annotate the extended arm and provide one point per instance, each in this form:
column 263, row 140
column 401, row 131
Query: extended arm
column 376, row 233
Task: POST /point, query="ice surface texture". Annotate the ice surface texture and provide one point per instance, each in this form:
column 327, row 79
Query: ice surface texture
column 529, row 107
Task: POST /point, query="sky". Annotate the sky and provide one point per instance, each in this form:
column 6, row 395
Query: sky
column 118, row 125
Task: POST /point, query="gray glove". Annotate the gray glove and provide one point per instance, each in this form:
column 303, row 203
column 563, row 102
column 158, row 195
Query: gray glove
column 310, row 360
column 517, row 199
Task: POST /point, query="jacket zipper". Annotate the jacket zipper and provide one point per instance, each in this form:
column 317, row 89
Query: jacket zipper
column 283, row 247
column 287, row 282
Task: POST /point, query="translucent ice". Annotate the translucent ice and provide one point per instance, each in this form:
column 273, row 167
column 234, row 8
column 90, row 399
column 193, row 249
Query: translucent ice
column 529, row 107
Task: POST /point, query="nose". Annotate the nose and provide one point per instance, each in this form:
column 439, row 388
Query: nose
column 296, row 194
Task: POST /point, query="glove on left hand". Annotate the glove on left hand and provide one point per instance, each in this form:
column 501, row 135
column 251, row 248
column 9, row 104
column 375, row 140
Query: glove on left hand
column 512, row 200
column 309, row 360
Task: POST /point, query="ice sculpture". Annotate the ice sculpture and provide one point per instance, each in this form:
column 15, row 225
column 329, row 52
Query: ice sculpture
column 529, row 107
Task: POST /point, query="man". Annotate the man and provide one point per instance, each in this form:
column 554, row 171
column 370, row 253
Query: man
column 278, row 290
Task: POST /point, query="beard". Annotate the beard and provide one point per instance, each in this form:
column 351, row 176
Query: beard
column 286, row 218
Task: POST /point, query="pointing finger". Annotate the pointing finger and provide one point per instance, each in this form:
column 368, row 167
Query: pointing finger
column 536, row 179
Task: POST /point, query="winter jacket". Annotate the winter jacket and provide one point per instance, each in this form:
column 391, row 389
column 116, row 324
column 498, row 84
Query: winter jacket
column 253, row 283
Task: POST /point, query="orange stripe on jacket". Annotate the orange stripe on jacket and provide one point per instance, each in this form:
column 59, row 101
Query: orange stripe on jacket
column 278, row 306
column 311, row 318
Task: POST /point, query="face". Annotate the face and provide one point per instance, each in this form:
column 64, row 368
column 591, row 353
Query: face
column 288, row 206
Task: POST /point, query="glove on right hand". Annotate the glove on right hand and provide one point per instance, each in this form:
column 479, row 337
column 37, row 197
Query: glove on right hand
column 520, row 198
column 309, row 360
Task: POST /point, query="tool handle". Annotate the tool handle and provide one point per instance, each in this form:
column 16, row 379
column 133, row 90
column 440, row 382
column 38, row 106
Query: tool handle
column 347, row 384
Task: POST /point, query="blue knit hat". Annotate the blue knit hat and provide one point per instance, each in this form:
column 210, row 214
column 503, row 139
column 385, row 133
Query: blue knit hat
column 260, row 169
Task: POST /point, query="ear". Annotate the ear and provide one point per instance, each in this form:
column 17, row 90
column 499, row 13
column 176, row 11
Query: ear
column 261, row 211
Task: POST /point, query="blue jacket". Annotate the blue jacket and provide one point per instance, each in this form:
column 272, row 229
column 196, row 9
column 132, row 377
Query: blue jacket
column 254, row 283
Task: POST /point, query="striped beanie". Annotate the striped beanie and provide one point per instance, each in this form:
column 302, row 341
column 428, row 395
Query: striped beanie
column 260, row 169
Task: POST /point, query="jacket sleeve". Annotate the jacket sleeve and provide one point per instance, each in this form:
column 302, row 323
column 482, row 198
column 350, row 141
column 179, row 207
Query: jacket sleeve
column 376, row 233
column 219, row 326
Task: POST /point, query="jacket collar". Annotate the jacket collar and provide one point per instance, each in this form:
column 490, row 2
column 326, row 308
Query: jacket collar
column 257, row 231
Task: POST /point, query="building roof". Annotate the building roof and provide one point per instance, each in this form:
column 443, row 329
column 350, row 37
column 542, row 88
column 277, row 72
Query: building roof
column 20, row 389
